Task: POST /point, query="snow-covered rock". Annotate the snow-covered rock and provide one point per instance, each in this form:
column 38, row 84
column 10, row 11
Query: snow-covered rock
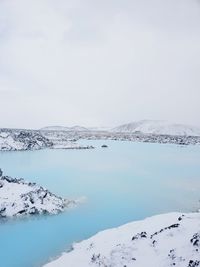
column 64, row 140
column 19, row 197
column 22, row 140
column 158, row 127
column 160, row 241
column 31, row 140
column 70, row 145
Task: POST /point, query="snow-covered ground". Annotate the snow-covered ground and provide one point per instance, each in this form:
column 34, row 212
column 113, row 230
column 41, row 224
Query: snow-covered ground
column 62, row 138
column 31, row 140
column 19, row 197
column 70, row 145
column 69, row 139
column 13, row 139
column 160, row 241
column 159, row 128
column 22, row 140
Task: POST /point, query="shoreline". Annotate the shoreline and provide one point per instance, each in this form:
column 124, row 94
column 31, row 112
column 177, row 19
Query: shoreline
column 22, row 140
column 171, row 239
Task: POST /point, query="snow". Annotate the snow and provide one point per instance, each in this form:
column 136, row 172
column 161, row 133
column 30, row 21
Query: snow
column 100, row 129
column 158, row 127
column 22, row 140
column 160, row 241
column 31, row 140
column 4, row 135
column 65, row 139
column 64, row 128
column 70, row 145
column 65, row 144
column 19, row 197
column 14, row 139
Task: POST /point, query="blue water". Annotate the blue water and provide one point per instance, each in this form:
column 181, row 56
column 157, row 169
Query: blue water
column 127, row 181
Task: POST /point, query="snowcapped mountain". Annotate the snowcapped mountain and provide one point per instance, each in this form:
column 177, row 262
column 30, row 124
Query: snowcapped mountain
column 79, row 129
column 100, row 129
column 158, row 127
column 63, row 128
column 55, row 128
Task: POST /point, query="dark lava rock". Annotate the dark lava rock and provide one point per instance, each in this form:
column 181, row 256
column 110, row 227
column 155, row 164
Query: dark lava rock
column 195, row 240
column 104, row 146
column 193, row 263
column 140, row 235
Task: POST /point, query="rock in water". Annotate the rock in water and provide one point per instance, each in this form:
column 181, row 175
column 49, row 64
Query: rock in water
column 104, row 146
column 19, row 197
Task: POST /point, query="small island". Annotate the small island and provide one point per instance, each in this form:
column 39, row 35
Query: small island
column 19, row 198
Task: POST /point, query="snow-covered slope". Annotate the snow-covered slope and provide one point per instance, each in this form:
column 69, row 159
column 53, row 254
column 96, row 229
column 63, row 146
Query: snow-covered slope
column 22, row 140
column 70, row 145
column 161, row 241
column 100, row 129
column 79, row 129
column 55, row 128
column 19, row 197
column 63, row 128
column 158, row 127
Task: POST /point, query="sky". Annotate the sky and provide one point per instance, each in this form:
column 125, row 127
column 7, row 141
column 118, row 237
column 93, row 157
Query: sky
column 99, row 62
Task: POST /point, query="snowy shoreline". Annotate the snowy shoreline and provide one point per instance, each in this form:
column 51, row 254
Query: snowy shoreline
column 21, row 140
column 14, row 140
column 165, row 240
column 21, row 198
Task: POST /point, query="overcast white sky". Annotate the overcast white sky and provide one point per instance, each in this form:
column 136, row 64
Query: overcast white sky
column 99, row 62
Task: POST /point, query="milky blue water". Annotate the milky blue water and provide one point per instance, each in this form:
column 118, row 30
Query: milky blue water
column 127, row 181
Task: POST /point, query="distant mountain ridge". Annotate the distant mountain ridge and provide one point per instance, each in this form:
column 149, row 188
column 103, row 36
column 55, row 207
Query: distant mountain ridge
column 157, row 127
column 63, row 128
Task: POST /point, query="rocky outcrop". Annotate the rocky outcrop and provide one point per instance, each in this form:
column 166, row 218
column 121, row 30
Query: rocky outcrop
column 13, row 140
column 19, row 197
column 22, row 140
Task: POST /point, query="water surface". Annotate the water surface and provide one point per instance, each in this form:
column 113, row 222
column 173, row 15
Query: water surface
column 127, row 181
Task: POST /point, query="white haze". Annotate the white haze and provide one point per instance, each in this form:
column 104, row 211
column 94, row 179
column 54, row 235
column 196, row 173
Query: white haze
column 105, row 62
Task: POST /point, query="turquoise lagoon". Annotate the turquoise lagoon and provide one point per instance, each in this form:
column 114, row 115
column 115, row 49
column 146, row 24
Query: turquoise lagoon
column 126, row 181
